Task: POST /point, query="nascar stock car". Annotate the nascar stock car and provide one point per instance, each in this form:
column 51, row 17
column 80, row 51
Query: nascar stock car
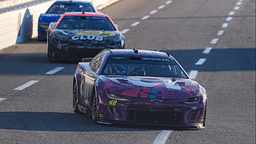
column 138, row 87
column 55, row 12
column 79, row 35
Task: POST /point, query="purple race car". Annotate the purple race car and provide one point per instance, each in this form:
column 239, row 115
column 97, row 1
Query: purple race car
column 138, row 87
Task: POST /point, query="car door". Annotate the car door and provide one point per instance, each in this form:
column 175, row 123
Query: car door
column 89, row 78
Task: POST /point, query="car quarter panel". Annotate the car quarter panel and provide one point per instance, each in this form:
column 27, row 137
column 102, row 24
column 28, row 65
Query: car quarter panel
column 87, row 83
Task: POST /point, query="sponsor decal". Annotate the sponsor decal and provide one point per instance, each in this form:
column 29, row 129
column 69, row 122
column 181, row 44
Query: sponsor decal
column 51, row 15
column 96, row 33
column 155, row 59
column 83, row 37
column 153, row 95
column 173, row 85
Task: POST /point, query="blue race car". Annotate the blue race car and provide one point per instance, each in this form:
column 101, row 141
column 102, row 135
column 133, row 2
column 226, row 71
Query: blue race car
column 55, row 12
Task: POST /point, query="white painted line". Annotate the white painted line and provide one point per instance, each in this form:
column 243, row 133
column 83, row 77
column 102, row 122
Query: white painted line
column 145, row 17
column 236, row 8
column 207, row 50
column 168, row 2
column 231, row 13
column 193, row 74
column 220, row 32
column 135, row 23
column 26, row 85
column 54, row 70
column 200, row 61
column 153, row 12
column 239, row 3
column 229, row 18
column 2, row 99
column 214, row 41
column 224, row 25
column 124, row 31
column 161, row 6
column 162, row 137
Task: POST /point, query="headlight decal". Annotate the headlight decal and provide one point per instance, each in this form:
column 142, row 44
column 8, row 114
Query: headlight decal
column 117, row 97
column 192, row 100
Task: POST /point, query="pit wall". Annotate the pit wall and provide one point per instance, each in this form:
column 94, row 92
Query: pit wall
column 21, row 25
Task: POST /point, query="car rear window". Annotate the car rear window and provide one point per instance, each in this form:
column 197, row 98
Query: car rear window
column 61, row 8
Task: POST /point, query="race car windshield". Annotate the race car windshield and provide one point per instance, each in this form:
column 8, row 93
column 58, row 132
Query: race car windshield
column 60, row 8
column 86, row 23
column 144, row 68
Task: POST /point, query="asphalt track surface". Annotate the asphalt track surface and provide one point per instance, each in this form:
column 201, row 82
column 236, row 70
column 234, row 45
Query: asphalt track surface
column 41, row 111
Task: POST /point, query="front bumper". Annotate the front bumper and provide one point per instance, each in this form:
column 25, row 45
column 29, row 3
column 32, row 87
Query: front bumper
column 67, row 52
column 145, row 113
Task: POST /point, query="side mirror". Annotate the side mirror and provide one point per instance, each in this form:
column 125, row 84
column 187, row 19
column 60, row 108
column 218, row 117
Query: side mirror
column 53, row 24
column 86, row 59
column 116, row 26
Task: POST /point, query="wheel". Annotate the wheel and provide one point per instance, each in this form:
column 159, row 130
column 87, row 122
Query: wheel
column 75, row 98
column 50, row 55
column 94, row 110
column 124, row 46
column 204, row 118
column 40, row 39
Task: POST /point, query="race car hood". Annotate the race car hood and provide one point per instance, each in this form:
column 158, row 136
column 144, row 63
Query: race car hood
column 152, row 87
column 48, row 18
column 86, row 38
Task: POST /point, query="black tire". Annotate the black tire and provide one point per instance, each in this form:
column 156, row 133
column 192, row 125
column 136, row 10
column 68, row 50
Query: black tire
column 48, row 49
column 75, row 98
column 94, row 110
column 124, row 46
column 49, row 54
column 204, row 118
column 40, row 39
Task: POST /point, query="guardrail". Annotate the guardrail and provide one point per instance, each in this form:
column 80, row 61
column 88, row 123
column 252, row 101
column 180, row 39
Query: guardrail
column 19, row 23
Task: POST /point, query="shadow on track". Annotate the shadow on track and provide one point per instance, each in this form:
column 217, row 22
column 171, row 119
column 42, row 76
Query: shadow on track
column 231, row 59
column 52, row 121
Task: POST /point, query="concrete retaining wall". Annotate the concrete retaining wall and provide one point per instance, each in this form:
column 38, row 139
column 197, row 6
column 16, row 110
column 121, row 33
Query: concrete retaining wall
column 8, row 3
column 21, row 25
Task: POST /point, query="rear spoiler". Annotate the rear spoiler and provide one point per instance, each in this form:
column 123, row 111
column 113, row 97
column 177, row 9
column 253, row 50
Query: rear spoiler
column 86, row 59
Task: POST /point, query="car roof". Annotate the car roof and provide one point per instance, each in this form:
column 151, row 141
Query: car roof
column 85, row 14
column 136, row 52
